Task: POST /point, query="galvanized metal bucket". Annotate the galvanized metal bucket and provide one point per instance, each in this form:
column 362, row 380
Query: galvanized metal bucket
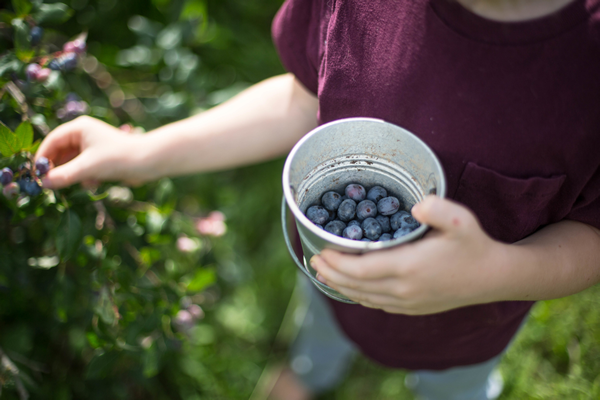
column 354, row 150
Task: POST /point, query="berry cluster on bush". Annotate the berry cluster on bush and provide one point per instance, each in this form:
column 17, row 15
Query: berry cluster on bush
column 364, row 215
column 26, row 179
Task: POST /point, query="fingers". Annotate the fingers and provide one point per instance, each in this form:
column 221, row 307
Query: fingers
column 375, row 265
column 444, row 214
column 331, row 276
column 66, row 174
column 66, row 138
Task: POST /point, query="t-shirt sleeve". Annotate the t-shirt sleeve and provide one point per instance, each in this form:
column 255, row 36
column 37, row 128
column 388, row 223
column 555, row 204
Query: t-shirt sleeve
column 295, row 33
column 587, row 206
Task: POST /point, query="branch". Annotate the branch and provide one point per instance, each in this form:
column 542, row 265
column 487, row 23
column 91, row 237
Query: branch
column 21, row 100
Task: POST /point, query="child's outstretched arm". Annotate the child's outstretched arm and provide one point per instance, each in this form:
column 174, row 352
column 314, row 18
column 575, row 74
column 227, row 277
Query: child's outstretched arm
column 458, row 264
column 262, row 122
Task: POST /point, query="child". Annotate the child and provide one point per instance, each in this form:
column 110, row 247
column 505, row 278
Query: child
column 506, row 92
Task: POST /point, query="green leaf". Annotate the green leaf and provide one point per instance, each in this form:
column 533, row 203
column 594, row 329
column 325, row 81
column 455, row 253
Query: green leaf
column 104, row 307
column 9, row 63
column 9, row 142
column 150, row 361
column 203, row 278
column 22, row 44
column 164, row 191
column 93, row 339
column 101, row 365
column 21, row 7
column 85, row 196
column 6, row 16
column 34, row 147
column 24, row 133
column 154, row 221
column 68, row 236
column 56, row 13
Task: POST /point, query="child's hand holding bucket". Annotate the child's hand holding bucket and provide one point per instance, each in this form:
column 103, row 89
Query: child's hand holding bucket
column 454, row 265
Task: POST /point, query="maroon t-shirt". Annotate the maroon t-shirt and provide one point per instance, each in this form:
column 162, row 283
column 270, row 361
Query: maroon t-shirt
column 511, row 109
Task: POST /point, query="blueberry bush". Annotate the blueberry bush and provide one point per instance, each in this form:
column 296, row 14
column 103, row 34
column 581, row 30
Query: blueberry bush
column 118, row 292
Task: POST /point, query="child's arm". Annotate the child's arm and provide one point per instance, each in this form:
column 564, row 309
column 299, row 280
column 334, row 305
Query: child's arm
column 458, row 264
column 262, row 122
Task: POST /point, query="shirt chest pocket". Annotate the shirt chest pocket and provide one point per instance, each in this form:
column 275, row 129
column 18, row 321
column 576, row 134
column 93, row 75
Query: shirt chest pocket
column 508, row 208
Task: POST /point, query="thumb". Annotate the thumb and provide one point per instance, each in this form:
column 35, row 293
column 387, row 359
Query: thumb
column 443, row 214
column 66, row 174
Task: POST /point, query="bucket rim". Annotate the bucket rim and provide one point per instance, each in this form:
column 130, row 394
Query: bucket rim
column 340, row 241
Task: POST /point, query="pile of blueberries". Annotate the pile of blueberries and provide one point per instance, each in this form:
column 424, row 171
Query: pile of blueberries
column 27, row 179
column 360, row 215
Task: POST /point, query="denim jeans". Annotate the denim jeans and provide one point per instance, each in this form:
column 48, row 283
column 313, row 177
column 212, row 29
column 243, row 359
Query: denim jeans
column 321, row 356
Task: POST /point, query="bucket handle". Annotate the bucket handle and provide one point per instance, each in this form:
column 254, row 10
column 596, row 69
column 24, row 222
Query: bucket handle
column 299, row 263
column 288, row 241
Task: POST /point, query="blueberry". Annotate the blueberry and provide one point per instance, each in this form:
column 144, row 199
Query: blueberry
column 356, row 192
column 68, row 61
column 80, row 46
column 31, row 71
column 347, row 210
column 43, row 75
column 42, row 165
column 385, row 237
column 353, row 232
column 35, row 35
column 365, row 240
column 354, row 222
column 410, row 223
column 376, row 193
column 403, row 219
column 396, row 219
column 331, row 200
column 384, row 222
column 332, row 215
column 11, row 190
column 371, row 228
column 76, row 46
column 72, row 97
column 388, row 205
column 319, row 226
column 366, row 209
column 344, row 197
column 6, row 176
column 336, row 227
column 54, row 65
column 401, row 232
column 29, row 187
column 69, row 47
column 24, row 167
column 318, row 215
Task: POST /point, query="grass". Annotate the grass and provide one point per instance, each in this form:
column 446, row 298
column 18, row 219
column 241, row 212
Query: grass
column 555, row 356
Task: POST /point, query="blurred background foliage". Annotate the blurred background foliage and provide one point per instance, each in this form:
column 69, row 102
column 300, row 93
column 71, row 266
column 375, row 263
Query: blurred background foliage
column 102, row 323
